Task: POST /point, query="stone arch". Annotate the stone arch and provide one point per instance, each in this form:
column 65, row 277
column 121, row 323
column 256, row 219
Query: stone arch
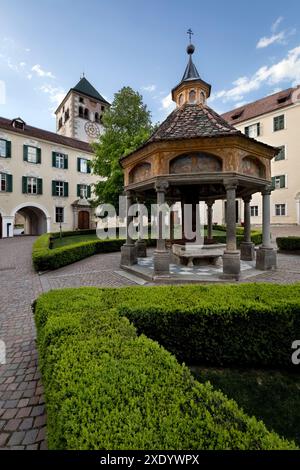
column 140, row 172
column 197, row 162
column 35, row 217
column 252, row 166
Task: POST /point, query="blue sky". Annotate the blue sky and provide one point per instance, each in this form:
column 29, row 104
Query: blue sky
column 245, row 50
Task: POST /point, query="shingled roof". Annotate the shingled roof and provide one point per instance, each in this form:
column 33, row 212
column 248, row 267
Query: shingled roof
column 265, row 105
column 37, row 133
column 192, row 121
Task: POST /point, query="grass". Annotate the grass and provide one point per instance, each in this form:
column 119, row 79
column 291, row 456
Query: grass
column 272, row 396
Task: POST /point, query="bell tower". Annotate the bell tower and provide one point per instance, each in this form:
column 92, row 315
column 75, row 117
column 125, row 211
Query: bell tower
column 80, row 113
column 192, row 89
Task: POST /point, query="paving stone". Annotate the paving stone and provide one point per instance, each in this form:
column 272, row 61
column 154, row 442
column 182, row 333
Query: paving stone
column 30, row 437
column 16, row 438
column 12, row 425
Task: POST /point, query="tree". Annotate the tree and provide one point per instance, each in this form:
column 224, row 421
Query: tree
column 127, row 125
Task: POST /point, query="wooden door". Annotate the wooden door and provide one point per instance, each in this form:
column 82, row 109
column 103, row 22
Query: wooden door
column 83, row 220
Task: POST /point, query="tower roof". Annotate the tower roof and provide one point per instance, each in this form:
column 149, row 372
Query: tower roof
column 85, row 87
column 191, row 72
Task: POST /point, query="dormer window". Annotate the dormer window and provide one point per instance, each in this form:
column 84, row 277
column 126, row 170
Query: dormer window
column 18, row 124
column 192, row 97
column 283, row 99
column 237, row 115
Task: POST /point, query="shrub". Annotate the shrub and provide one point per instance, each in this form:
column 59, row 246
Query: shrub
column 288, row 243
column 107, row 388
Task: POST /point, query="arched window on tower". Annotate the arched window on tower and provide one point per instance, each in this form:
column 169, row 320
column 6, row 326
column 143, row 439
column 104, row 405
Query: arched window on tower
column 67, row 115
column 86, row 113
column 80, row 111
column 97, row 119
column 192, row 97
column 202, row 97
column 180, row 99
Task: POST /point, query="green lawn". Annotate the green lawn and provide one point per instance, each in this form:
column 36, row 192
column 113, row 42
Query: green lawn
column 271, row 396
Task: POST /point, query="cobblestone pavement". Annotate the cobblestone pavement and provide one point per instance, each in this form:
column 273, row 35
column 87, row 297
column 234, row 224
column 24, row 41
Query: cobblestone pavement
column 22, row 412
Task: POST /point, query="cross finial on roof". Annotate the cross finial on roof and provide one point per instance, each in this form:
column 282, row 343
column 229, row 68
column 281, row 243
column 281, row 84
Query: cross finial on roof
column 190, row 33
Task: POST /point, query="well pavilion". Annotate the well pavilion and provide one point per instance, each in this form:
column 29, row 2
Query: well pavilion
column 195, row 155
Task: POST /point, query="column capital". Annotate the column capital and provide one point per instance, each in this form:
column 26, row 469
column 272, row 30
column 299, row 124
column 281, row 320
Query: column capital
column 161, row 186
column 230, row 183
column 210, row 203
column 266, row 191
column 247, row 199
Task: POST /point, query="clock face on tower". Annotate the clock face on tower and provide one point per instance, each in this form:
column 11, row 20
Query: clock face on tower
column 91, row 129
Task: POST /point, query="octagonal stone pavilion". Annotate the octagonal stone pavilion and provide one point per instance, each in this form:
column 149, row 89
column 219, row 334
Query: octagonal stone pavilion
column 195, row 155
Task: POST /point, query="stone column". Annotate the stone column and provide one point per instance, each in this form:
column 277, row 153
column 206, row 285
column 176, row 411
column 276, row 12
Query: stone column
column 266, row 257
column 247, row 247
column 231, row 257
column 141, row 247
column 209, row 221
column 161, row 254
column 172, row 227
column 128, row 250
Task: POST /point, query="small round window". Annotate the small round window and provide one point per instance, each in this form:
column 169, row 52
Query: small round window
column 192, row 96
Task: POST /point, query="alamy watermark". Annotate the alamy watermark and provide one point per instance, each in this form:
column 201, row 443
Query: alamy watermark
column 296, row 353
column 2, row 353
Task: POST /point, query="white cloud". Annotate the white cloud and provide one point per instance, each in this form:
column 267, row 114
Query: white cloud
column 40, row 72
column 167, row 102
column 267, row 41
column 22, row 64
column 149, row 88
column 276, row 23
column 286, row 70
column 56, row 95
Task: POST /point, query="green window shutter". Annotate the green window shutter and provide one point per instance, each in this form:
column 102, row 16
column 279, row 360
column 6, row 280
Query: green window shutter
column 88, row 192
column 25, row 153
column 39, row 155
column 24, row 184
column 66, row 162
column 78, row 164
column 78, row 190
column 8, row 149
column 282, row 181
column 53, row 188
column 273, row 183
column 39, row 186
column 54, row 159
column 88, row 166
column 66, row 189
column 9, row 187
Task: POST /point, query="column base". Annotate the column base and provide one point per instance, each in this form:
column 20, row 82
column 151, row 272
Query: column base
column 141, row 248
column 231, row 265
column 247, row 251
column 161, row 263
column 128, row 255
column 266, row 259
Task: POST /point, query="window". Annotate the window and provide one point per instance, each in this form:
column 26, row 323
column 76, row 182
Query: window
column 237, row 115
column 254, row 211
column 59, row 215
column 5, row 183
column 60, row 123
column 83, row 165
column 83, row 191
column 278, row 123
column 102, row 108
column 31, row 154
column 180, row 99
column 81, row 100
column 80, row 111
column 278, row 182
column 192, row 96
column 280, row 209
column 32, row 185
column 59, row 160
column 86, row 114
column 5, row 148
column 253, row 130
column 67, row 115
column 60, row 188
column 281, row 154
column 97, row 117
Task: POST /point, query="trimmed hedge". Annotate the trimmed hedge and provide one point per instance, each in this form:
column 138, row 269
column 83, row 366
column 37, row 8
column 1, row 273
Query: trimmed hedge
column 241, row 325
column 107, row 388
column 288, row 243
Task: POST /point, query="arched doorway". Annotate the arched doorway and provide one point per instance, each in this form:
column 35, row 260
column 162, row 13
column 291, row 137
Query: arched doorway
column 83, row 220
column 30, row 220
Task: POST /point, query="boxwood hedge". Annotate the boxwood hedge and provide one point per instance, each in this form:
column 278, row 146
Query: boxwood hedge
column 108, row 388
column 288, row 243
